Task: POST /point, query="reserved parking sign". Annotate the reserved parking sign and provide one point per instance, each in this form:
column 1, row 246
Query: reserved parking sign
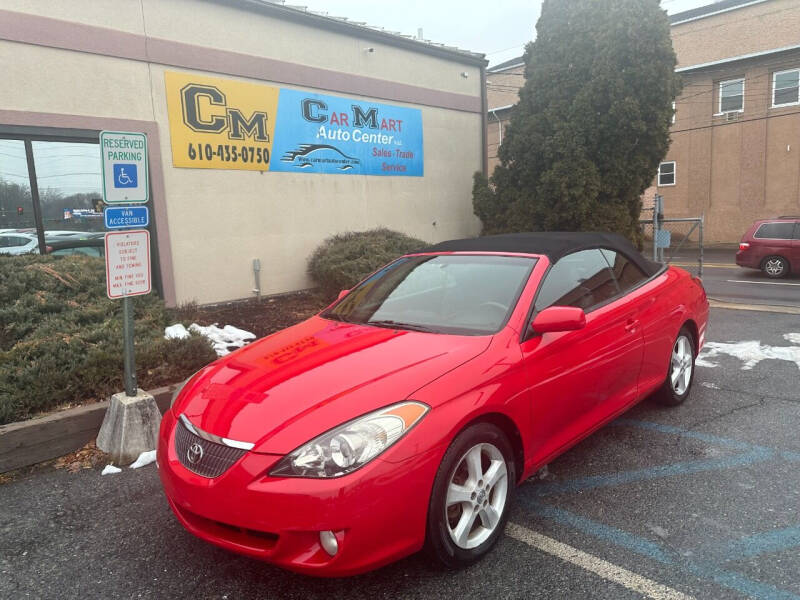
column 124, row 167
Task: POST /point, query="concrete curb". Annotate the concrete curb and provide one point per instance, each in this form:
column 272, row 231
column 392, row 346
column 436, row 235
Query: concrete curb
column 26, row 443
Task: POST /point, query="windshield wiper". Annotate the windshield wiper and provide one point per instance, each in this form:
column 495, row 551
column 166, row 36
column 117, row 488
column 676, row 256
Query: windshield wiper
column 398, row 325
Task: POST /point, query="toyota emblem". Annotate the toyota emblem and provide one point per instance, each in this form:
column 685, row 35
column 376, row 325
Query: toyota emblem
column 195, row 453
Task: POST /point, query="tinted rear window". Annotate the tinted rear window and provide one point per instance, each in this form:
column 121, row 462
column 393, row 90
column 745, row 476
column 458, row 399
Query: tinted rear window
column 775, row 231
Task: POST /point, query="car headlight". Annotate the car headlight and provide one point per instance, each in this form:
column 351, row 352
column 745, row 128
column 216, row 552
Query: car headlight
column 350, row 446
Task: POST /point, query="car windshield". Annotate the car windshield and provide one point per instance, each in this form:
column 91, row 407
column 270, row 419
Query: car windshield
column 455, row 294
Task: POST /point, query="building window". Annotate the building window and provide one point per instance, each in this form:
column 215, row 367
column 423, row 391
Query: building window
column 731, row 96
column 666, row 173
column 786, row 88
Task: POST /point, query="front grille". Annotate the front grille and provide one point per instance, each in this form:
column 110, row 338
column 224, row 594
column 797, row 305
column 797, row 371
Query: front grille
column 210, row 459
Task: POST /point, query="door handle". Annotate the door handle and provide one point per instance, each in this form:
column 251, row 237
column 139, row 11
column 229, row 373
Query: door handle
column 632, row 325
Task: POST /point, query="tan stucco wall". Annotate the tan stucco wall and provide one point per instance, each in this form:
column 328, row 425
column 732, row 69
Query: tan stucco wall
column 219, row 220
column 756, row 28
column 205, row 23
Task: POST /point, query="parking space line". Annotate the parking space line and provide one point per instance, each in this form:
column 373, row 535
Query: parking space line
column 598, row 566
column 705, row 265
column 788, row 310
column 709, row 567
column 761, row 543
column 760, row 282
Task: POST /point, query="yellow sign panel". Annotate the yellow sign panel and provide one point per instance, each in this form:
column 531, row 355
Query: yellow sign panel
column 220, row 123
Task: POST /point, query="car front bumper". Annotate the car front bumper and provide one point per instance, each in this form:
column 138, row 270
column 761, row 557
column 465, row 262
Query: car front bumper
column 377, row 513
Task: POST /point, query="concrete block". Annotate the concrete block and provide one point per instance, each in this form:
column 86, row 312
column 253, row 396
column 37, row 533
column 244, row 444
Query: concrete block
column 130, row 427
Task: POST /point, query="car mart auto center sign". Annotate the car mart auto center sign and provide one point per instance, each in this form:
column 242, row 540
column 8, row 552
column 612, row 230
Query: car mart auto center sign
column 225, row 124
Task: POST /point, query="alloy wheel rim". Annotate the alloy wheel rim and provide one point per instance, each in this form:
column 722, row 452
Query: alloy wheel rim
column 476, row 496
column 681, row 365
column 774, row 267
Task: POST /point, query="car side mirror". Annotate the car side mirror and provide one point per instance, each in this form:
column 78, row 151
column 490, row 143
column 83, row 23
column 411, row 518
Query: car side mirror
column 342, row 294
column 559, row 318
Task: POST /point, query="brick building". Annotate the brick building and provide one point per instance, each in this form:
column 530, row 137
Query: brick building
column 735, row 152
column 502, row 85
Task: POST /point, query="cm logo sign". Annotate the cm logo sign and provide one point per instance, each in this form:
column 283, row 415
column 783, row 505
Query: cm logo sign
column 195, row 97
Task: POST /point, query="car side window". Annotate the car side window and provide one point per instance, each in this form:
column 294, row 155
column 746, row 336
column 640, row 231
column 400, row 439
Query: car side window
column 581, row 279
column 627, row 273
column 797, row 230
column 775, row 231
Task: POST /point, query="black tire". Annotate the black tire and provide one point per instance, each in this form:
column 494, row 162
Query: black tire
column 439, row 544
column 667, row 394
column 775, row 267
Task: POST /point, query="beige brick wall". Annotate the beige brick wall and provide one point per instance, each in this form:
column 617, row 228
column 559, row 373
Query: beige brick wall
column 754, row 28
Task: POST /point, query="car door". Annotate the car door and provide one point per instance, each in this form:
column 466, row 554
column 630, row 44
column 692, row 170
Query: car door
column 645, row 298
column 576, row 378
column 795, row 258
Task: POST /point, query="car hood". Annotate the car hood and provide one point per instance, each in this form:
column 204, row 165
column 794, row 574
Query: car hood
column 285, row 389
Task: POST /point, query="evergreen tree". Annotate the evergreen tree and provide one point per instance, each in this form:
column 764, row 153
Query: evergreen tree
column 592, row 123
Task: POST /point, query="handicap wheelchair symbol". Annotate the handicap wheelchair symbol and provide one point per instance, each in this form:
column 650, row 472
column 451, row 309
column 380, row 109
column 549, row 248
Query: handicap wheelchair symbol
column 125, row 175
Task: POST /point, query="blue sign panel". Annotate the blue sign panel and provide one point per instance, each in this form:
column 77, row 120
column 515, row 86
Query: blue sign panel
column 125, row 175
column 126, row 217
column 316, row 133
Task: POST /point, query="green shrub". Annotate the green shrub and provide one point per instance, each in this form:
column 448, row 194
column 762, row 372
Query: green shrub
column 343, row 260
column 61, row 337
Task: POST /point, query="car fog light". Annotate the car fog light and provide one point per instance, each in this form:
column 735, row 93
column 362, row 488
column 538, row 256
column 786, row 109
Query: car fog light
column 329, row 542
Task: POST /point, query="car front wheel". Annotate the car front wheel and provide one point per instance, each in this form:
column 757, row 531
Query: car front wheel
column 680, row 374
column 775, row 267
column 471, row 496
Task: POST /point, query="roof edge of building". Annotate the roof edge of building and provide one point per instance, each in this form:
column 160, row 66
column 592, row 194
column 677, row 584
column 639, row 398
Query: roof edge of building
column 337, row 25
column 734, row 59
column 710, row 10
column 506, row 65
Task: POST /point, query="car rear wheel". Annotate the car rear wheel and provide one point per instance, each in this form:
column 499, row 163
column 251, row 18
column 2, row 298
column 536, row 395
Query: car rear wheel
column 471, row 496
column 680, row 375
column 775, row 267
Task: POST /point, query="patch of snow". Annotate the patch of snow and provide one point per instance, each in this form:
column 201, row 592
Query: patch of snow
column 750, row 352
column 792, row 338
column 176, row 332
column 700, row 362
column 711, row 386
column 145, row 458
column 110, row 470
column 224, row 340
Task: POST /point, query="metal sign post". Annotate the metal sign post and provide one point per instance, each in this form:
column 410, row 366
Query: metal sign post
column 130, row 426
column 129, row 355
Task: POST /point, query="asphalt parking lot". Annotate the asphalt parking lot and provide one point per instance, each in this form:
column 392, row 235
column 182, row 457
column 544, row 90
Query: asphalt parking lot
column 698, row 501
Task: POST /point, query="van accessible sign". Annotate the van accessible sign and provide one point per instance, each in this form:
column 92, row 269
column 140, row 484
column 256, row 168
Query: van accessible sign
column 126, row 217
column 226, row 124
column 125, row 179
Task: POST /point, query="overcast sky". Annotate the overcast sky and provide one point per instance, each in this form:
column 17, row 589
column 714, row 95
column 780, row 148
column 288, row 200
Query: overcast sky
column 498, row 29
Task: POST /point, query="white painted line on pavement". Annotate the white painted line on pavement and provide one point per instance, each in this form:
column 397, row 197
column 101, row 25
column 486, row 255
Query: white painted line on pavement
column 788, row 310
column 598, row 566
column 760, row 282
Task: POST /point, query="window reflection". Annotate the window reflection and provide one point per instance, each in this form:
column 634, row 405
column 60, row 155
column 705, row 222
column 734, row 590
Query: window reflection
column 16, row 204
column 70, row 188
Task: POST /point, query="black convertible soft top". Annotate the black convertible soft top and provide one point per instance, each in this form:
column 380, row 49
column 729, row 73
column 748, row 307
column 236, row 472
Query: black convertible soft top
column 553, row 244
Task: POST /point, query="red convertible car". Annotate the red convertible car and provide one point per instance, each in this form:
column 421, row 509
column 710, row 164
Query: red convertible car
column 404, row 415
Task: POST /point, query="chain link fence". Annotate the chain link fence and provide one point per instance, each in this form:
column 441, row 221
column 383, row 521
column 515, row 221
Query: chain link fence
column 678, row 241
